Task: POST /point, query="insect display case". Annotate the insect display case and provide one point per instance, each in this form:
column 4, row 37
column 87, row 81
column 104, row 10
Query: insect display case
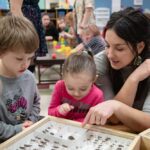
column 53, row 133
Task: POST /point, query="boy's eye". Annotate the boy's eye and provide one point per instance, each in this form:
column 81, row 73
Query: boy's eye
column 19, row 59
column 30, row 58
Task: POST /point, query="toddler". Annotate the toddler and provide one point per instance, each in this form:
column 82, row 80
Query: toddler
column 91, row 39
column 70, row 36
column 76, row 93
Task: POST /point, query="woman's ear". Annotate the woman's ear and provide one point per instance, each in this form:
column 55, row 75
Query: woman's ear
column 140, row 47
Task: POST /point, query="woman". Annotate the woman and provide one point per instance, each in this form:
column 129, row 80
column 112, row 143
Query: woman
column 30, row 9
column 83, row 15
column 124, row 70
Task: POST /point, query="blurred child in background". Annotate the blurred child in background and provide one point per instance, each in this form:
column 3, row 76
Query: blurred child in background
column 91, row 39
column 51, row 31
column 76, row 93
column 19, row 96
column 69, row 36
column 61, row 24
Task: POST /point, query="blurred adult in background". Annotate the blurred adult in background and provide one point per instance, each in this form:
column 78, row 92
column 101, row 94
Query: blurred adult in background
column 51, row 32
column 84, row 14
column 31, row 10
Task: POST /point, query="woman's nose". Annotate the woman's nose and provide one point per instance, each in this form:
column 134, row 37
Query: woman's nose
column 110, row 53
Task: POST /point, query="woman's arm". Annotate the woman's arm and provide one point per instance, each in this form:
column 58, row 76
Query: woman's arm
column 128, row 91
column 15, row 7
column 129, row 116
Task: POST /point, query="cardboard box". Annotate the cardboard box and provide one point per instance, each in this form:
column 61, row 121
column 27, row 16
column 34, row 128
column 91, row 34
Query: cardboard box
column 145, row 140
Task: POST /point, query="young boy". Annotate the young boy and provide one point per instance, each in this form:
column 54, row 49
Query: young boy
column 19, row 97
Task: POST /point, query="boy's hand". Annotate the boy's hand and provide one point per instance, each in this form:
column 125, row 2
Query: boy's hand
column 65, row 108
column 27, row 124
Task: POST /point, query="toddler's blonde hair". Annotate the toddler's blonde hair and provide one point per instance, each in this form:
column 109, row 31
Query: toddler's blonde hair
column 91, row 28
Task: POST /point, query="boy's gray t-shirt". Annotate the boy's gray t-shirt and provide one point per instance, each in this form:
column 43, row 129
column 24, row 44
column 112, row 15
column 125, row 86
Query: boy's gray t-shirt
column 19, row 101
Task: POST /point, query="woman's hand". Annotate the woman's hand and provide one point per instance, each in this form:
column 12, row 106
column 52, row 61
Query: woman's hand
column 100, row 113
column 142, row 72
column 65, row 108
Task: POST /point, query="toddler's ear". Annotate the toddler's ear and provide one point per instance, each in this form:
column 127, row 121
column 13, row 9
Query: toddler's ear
column 95, row 78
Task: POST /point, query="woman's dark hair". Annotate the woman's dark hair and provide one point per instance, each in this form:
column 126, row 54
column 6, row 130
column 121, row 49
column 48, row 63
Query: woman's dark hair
column 133, row 27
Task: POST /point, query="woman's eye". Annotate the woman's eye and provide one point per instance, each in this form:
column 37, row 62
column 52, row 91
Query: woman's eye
column 107, row 46
column 119, row 49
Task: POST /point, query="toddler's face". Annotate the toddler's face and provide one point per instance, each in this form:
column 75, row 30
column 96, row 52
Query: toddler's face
column 78, row 85
column 87, row 36
column 15, row 63
column 61, row 24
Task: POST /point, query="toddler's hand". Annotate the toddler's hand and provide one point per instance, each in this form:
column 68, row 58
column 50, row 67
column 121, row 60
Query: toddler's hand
column 65, row 108
column 62, row 34
column 80, row 47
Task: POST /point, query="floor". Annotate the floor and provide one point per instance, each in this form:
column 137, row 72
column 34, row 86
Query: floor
column 45, row 100
column 46, row 89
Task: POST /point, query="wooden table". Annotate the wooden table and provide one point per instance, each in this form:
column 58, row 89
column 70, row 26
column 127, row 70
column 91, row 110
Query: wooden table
column 47, row 61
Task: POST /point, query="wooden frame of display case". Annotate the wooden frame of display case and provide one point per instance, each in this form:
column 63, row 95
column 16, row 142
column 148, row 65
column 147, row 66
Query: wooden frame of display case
column 135, row 144
column 145, row 140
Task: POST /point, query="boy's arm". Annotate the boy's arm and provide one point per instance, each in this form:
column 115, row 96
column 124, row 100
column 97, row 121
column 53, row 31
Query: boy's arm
column 34, row 116
column 7, row 130
column 15, row 7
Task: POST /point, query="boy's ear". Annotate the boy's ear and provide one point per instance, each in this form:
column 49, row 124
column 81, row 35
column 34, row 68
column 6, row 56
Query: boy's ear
column 95, row 78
